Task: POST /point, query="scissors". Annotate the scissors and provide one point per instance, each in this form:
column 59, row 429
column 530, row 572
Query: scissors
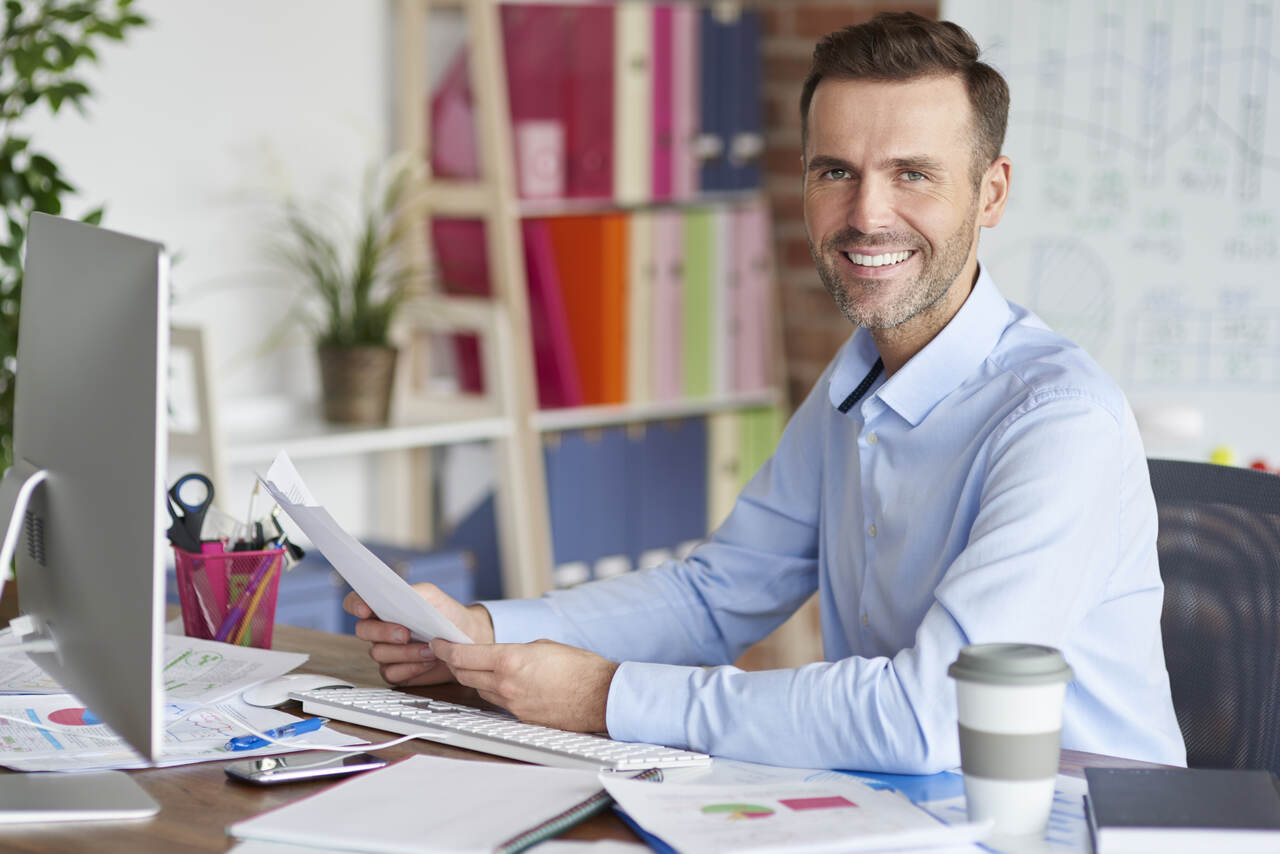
column 188, row 518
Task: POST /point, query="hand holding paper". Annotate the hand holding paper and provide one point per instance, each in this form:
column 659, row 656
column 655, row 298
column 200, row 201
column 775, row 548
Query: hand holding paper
column 390, row 597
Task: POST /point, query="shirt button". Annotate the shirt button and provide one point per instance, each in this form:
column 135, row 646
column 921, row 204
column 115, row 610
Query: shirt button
column 872, row 530
column 872, row 438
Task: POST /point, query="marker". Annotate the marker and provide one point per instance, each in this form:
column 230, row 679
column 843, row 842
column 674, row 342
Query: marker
column 253, row 742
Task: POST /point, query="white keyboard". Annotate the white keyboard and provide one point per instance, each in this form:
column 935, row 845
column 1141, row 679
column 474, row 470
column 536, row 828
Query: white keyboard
column 498, row 733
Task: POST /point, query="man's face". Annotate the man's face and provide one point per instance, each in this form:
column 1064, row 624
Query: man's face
column 890, row 205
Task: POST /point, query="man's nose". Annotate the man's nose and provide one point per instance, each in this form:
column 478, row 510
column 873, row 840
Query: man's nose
column 870, row 206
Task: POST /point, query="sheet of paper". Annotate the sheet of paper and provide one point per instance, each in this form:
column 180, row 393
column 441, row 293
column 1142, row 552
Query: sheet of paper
column 81, row 743
column 204, row 671
column 466, row 807
column 831, row 816
column 389, row 595
column 194, row 670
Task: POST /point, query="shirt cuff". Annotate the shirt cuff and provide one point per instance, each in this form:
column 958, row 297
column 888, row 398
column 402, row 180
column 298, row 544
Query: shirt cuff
column 524, row 620
column 649, row 702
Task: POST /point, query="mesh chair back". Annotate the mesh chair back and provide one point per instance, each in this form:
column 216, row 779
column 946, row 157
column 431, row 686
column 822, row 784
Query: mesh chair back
column 1219, row 548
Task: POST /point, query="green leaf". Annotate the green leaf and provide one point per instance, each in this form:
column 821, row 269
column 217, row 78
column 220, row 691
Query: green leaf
column 43, row 165
column 54, row 97
column 12, row 187
column 12, row 145
column 94, row 217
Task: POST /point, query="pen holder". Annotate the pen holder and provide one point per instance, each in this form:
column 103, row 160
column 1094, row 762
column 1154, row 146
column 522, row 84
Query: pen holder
column 229, row 596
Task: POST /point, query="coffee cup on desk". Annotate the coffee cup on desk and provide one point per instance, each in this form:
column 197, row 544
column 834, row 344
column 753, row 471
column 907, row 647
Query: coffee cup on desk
column 1009, row 698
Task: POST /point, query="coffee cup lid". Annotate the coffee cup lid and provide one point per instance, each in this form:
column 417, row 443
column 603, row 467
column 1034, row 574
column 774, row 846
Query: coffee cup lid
column 1010, row 664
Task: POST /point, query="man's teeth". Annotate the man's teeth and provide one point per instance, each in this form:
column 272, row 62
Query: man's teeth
column 878, row 260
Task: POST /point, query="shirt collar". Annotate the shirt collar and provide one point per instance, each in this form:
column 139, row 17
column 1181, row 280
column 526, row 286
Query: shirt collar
column 940, row 367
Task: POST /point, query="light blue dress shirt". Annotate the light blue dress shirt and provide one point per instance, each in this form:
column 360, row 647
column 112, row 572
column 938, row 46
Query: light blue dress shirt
column 993, row 489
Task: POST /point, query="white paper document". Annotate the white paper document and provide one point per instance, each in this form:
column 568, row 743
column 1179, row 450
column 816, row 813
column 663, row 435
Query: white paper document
column 425, row 804
column 389, row 595
column 77, row 741
column 194, row 670
column 831, row 816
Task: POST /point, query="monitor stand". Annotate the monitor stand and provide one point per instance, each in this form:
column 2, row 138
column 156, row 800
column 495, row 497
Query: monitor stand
column 53, row 796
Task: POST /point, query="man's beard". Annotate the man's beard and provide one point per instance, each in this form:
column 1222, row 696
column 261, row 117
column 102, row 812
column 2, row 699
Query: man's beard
column 915, row 295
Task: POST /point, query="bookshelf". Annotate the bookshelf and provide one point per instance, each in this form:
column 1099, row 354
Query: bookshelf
column 510, row 416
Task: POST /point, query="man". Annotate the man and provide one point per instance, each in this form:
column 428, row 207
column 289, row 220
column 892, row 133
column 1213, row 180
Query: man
column 959, row 474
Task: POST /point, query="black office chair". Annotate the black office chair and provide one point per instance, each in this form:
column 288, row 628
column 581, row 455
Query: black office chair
column 1219, row 548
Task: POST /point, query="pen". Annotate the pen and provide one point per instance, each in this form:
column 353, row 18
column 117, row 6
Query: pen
column 252, row 742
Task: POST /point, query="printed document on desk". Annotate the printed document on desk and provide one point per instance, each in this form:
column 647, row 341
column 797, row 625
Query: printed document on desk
column 390, row 597
column 195, row 670
column 837, row 815
column 76, row 741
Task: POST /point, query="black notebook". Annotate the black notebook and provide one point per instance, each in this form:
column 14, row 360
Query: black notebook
column 1182, row 811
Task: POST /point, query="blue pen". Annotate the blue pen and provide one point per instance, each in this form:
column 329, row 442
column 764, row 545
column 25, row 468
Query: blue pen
column 252, row 742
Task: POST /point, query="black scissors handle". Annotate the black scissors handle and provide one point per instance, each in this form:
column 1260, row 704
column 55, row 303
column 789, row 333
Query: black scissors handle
column 188, row 517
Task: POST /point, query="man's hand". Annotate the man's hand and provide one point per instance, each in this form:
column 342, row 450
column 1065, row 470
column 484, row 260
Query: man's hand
column 403, row 662
column 543, row 682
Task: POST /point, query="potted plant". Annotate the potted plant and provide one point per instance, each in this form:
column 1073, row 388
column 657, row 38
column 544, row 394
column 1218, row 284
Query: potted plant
column 355, row 276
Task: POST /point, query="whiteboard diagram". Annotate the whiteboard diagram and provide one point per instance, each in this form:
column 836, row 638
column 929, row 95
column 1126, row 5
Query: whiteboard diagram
column 1144, row 217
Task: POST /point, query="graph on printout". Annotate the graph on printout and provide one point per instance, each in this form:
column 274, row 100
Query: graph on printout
column 1144, row 215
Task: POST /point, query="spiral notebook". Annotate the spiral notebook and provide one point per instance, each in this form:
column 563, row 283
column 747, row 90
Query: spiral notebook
column 428, row 804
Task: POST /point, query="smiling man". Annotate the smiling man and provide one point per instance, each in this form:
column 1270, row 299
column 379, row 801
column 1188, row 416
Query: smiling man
column 959, row 474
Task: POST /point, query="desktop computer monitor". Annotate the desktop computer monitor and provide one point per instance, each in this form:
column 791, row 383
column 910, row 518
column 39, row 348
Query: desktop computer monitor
column 84, row 500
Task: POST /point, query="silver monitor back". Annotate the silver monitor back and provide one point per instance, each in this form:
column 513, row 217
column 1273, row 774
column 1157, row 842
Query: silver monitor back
column 91, row 412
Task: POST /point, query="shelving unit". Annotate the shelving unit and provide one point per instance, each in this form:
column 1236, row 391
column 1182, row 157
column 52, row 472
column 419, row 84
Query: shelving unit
column 523, row 516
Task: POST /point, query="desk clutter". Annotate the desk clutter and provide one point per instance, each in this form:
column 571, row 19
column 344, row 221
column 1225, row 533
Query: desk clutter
column 204, row 712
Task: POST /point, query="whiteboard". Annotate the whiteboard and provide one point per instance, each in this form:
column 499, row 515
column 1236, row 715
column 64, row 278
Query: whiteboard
column 1144, row 217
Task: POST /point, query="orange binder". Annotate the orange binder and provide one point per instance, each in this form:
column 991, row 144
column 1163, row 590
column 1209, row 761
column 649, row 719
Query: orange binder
column 591, row 258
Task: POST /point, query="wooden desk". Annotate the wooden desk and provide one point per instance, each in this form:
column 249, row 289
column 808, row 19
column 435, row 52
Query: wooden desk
column 198, row 801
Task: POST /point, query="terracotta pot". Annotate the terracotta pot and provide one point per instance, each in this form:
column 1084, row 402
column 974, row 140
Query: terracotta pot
column 357, row 383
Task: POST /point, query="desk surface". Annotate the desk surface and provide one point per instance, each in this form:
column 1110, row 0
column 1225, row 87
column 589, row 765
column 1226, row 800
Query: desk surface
column 198, row 801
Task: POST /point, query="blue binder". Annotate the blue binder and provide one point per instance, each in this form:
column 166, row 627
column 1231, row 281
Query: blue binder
column 718, row 86
column 747, row 117
column 668, row 494
column 586, row 493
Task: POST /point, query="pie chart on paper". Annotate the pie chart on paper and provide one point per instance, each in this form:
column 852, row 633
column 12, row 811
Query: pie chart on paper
column 73, row 717
column 735, row 812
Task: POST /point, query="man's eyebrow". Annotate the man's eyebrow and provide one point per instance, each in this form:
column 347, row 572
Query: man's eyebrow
column 915, row 162
column 823, row 162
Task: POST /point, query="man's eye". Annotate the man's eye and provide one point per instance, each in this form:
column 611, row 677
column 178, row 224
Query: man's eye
column 912, row 176
column 835, row 174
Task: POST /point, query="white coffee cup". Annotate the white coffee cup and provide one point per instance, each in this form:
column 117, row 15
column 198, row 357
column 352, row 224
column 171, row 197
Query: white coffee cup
column 1009, row 701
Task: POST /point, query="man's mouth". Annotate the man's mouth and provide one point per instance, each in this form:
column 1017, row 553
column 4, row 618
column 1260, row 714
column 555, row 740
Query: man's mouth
column 886, row 259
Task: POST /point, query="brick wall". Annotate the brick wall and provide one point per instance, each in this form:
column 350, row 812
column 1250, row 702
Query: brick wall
column 814, row 329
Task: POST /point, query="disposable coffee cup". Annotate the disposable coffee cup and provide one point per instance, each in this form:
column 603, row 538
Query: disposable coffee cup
column 1009, row 699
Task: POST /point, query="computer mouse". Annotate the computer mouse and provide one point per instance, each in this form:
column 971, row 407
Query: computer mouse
column 275, row 692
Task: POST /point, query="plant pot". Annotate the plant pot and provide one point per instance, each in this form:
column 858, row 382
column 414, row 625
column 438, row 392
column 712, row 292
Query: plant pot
column 356, row 382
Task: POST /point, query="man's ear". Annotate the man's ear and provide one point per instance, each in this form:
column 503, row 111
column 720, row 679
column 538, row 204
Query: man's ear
column 995, row 191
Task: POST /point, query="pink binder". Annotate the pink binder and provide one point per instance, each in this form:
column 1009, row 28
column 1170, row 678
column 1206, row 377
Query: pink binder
column 752, row 354
column 453, row 132
column 667, row 327
column 589, row 118
column 459, row 246
column 558, row 382
column 536, row 40
column 663, row 76
column 685, row 95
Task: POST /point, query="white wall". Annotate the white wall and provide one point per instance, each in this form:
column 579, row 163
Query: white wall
column 198, row 123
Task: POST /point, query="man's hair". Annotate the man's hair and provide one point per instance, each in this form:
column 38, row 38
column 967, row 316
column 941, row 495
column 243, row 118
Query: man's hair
column 900, row 46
